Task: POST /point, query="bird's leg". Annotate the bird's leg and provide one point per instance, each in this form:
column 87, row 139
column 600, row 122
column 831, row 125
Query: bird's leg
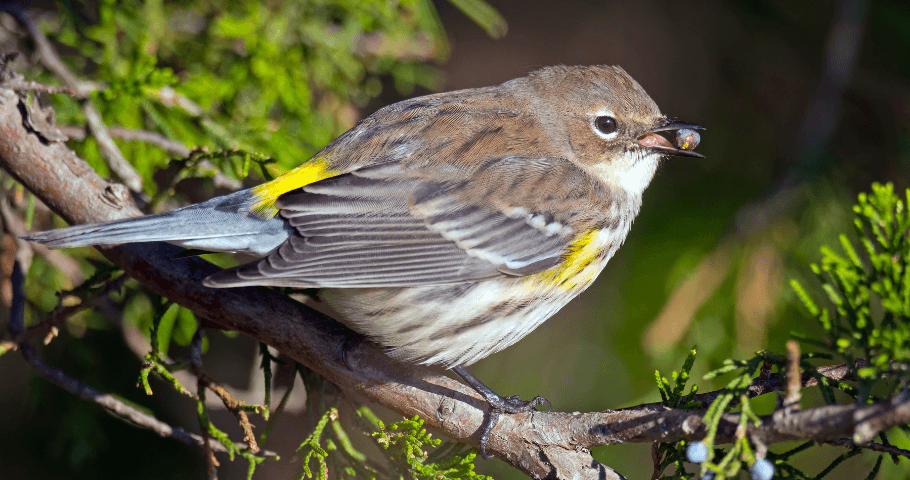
column 498, row 405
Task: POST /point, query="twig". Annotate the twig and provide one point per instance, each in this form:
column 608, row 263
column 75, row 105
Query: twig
column 876, row 447
column 60, row 315
column 14, row 224
column 17, row 309
column 234, row 406
column 655, row 460
column 24, row 251
column 47, row 327
column 107, row 401
column 117, row 407
column 773, row 383
column 166, row 144
column 171, row 146
column 30, row 86
column 205, row 382
column 196, row 362
column 211, row 463
column 49, row 56
column 794, row 380
column 130, row 177
column 169, row 98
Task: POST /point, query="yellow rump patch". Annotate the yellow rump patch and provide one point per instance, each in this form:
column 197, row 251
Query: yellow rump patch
column 312, row 171
column 577, row 268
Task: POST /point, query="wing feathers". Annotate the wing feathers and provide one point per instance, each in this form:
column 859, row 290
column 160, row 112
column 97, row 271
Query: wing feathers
column 385, row 226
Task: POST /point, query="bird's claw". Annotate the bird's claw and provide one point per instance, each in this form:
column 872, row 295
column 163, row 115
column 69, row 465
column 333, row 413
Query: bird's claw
column 506, row 405
column 514, row 404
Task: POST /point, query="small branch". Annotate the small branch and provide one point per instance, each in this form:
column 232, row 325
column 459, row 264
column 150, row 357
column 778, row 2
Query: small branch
column 875, row 447
column 236, row 408
column 48, row 328
column 205, row 423
column 170, row 146
column 771, row 382
column 205, row 382
column 46, row 51
column 211, row 463
column 794, row 379
column 17, row 309
column 117, row 407
column 59, row 315
column 29, row 86
column 170, row 98
column 14, row 225
column 110, row 151
column 107, row 401
column 24, row 251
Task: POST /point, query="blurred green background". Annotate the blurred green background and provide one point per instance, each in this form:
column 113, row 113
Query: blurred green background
column 805, row 104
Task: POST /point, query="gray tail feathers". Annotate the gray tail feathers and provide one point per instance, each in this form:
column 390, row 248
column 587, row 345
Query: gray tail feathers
column 223, row 224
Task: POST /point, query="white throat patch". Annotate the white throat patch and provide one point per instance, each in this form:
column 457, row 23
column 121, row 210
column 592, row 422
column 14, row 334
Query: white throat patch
column 633, row 172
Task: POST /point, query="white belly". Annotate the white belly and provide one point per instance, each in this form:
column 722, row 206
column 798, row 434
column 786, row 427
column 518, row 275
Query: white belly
column 458, row 324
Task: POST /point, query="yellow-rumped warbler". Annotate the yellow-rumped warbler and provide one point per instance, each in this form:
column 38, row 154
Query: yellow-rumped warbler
column 445, row 227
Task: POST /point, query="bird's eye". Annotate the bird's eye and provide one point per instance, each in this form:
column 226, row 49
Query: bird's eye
column 606, row 125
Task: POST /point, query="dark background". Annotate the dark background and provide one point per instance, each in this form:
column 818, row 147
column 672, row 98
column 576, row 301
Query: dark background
column 805, row 103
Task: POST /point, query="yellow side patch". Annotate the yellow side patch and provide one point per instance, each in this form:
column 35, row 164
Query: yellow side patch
column 577, row 269
column 312, row 171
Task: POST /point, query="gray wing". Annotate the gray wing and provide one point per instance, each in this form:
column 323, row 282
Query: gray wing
column 382, row 227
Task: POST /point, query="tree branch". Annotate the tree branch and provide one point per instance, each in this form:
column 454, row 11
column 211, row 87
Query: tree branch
column 166, row 144
column 170, row 146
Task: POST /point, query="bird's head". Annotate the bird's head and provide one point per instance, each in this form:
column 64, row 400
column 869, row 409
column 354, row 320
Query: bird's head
column 606, row 122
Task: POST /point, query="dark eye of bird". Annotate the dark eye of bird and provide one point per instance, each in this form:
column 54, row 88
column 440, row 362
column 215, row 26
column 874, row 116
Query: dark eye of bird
column 606, row 125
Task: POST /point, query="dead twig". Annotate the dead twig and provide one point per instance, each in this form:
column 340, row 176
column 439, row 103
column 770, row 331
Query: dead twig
column 30, row 86
column 16, row 226
column 117, row 407
column 107, row 401
column 875, row 447
column 794, row 379
column 170, row 146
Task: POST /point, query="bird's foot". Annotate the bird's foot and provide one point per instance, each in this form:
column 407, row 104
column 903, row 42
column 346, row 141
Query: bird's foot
column 505, row 405
column 498, row 405
column 514, row 404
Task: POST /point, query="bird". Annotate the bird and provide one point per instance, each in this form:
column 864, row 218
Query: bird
column 444, row 227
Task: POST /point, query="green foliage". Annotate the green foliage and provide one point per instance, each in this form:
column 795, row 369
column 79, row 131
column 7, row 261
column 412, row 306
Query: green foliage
column 865, row 322
column 672, row 396
column 403, row 444
column 870, row 293
column 279, row 78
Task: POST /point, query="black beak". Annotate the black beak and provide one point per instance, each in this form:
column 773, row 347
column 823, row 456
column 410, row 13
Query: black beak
column 650, row 140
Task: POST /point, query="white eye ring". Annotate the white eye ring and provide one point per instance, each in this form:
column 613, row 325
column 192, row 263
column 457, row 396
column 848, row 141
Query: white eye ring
column 605, row 124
